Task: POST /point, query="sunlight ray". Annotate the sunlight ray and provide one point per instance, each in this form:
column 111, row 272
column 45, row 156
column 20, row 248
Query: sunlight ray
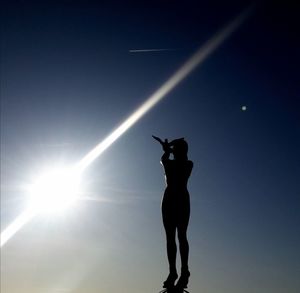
column 16, row 225
column 194, row 61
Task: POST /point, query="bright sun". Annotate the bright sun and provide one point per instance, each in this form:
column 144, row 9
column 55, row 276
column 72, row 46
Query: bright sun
column 54, row 191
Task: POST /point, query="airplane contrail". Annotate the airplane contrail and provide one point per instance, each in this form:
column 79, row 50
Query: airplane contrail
column 152, row 50
column 194, row 61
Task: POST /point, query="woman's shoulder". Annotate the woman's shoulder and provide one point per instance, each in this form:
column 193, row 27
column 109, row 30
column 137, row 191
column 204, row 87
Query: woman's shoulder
column 190, row 163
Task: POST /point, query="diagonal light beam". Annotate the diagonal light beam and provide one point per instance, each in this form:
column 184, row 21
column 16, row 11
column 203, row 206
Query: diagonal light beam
column 16, row 225
column 195, row 60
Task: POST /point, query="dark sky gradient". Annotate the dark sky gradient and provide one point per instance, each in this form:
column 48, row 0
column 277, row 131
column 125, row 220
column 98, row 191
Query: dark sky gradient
column 68, row 79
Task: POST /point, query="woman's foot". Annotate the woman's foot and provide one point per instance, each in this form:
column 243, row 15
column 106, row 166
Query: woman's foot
column 183, row 280
column 170, row 281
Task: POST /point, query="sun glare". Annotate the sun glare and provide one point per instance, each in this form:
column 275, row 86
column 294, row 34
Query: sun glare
column 54, row 191
column 58, row 189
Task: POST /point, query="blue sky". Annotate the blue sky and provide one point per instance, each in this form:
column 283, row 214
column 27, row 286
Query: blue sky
column 68, row 79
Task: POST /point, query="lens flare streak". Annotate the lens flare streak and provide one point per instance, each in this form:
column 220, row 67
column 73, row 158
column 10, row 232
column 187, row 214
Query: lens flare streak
column 194, row 61
column 16, row 225
column 201, row 54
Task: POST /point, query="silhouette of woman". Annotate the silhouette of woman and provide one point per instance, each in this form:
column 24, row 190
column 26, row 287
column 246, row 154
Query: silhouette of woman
column 176, row 207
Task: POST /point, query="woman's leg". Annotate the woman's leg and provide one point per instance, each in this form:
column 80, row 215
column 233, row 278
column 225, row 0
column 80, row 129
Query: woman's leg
column 182, row 238
column 184, row 250
column 170, row 230
column 171, row 252
column 183, row 247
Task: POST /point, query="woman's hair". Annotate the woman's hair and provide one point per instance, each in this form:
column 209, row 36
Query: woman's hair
column 180, row 148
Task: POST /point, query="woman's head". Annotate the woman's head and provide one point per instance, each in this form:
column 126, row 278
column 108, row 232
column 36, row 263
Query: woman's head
column 180, row 148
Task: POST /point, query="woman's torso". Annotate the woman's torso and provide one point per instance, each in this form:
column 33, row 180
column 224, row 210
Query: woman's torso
column 177, row 174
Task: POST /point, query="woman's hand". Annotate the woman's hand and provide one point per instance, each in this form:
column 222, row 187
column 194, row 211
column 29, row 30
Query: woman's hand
column 158, row 139
column 165, row 144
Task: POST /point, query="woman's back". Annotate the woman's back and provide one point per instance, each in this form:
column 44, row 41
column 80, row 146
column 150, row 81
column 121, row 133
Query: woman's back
column 177, row 173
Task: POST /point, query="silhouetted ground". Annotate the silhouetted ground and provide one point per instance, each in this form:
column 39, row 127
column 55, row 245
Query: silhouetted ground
column 174, row 290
